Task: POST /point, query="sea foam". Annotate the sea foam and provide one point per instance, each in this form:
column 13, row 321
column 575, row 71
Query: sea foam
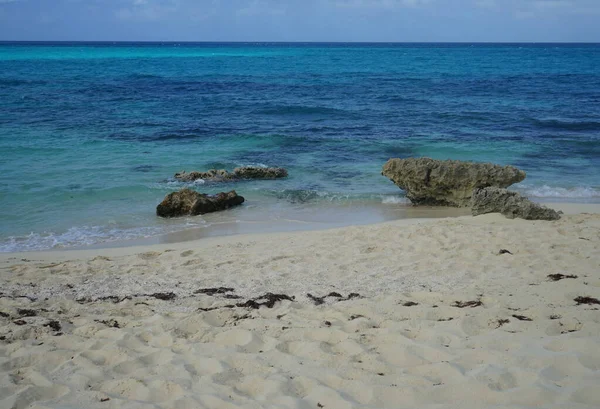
column 579, row 192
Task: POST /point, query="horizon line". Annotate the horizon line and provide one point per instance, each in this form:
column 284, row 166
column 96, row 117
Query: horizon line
column 297, row 42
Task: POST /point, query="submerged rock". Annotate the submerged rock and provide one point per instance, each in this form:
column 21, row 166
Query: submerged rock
column 211, row 175
column 252, row 172
column 510, row 204
column 449, row 182
column 188, row 202
column 244, row 172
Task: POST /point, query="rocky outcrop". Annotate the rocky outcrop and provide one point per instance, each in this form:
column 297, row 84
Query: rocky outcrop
column 251, row 172
column 216, row 175
column 244, row 172
column 188, row 202
column 449, row 182
column 510, row 204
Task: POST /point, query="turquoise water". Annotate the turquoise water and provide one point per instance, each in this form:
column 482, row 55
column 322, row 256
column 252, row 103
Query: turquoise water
column 91, row 134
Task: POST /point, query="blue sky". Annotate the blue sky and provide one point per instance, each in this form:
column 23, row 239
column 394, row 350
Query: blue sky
column 301, row 20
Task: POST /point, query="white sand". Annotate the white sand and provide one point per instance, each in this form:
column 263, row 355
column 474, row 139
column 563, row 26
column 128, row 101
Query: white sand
column 365, row 352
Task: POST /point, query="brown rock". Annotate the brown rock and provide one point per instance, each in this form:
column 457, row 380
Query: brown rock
column 449, row 182
column 510, row 204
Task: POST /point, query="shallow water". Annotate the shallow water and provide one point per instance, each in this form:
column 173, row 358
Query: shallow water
column 91, row 134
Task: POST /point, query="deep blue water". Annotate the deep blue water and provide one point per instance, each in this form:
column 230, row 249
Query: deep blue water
column 91, row 134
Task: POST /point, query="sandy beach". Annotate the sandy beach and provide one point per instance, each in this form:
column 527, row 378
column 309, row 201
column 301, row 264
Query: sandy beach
column 465, row 312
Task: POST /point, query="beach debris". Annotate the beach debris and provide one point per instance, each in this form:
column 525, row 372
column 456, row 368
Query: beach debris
column 112, row 323
column 447, row 182
column 555, row 317
column 163, row 296
column 104, row 399
column 214, row 291
column 410, row 304
column 116, row 299
column 54, row 325
column 321, row 300
column 587, row 300
column 24, row 312
column 187, row 202
column 268, row 300
column 19, row 322
column 521, row 317
column 240, row 173
column 504, row 251
column 113, row 298
column 558, row 277
column 465, row 304
column 503, row 321
column 510, row 204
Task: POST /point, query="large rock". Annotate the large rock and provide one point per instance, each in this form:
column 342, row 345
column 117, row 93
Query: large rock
column 188, row 202
column 510, row 204
column 244, row 172
column 449, row 182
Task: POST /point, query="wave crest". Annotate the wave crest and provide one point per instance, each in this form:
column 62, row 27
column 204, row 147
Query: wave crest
column 88, row 236
column 579, row 192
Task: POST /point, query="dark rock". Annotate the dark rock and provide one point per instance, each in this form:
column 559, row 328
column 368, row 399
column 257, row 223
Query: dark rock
column 251, row 172
column 447, row 183
column 188, row 202
column 244, row 172
column 215, row 175
column 510, row 204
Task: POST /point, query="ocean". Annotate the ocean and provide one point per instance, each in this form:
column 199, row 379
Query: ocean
column 91, row 134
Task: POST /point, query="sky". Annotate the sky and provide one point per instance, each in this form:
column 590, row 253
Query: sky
column 301, row 20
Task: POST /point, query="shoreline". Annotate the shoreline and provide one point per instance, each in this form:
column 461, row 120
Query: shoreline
column 230, row 228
